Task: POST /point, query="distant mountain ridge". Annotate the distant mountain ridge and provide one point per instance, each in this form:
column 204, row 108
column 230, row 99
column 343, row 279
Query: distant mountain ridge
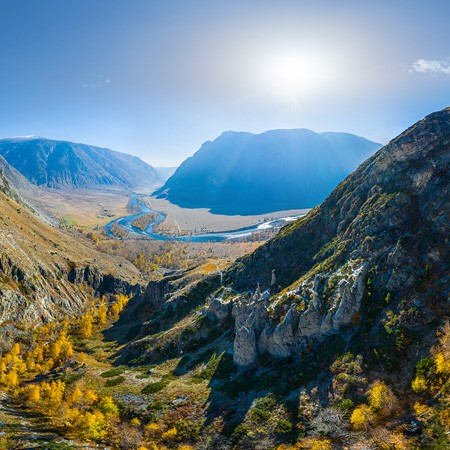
column 166, row 172
column 69, row 165
column 245, row 173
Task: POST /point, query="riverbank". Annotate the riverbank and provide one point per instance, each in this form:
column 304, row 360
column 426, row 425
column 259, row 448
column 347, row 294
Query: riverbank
column 125, row 227
column 195, row 220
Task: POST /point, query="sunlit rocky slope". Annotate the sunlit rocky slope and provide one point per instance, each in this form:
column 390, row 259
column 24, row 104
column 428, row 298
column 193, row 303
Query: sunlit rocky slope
column 46, row 273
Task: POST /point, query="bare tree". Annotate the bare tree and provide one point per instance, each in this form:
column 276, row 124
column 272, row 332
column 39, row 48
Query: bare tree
column 331, row 422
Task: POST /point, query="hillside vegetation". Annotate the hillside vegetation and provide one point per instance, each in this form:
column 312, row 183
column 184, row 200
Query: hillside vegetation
column 46, row 273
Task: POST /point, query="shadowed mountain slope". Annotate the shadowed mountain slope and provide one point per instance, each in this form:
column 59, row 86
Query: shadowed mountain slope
column 395, row 204
column 243, row 173
column 67, row 165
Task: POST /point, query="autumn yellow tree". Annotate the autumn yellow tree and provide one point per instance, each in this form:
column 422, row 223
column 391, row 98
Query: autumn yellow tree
column 38, row 354
column 362, row 417
column 381, row 399
column 52, row 396
column 33, row 394
column 75, row 395
column 2, row 371
column 92, row 425
column 102, row 312
column 16, row 349
column 11, row 379
column 118, row 306
column 108, row 407
column 85, row 329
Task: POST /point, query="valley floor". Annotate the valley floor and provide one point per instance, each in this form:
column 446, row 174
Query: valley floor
column 187, row 219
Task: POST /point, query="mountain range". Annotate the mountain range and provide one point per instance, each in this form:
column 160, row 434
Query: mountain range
column 332, row 334
column 244, row 173
column 67, row 165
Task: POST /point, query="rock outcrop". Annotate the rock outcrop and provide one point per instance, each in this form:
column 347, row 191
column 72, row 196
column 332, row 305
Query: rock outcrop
column 28, row 298
column 285, row 325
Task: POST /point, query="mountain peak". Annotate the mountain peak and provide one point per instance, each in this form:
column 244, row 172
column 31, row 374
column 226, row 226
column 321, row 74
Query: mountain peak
column 21, row 138
column 245, row 173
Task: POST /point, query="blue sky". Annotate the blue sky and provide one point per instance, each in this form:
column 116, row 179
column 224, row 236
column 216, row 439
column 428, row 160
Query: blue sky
column 158, row 78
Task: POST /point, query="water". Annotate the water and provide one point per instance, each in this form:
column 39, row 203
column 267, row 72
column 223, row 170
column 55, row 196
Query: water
column 126, row 224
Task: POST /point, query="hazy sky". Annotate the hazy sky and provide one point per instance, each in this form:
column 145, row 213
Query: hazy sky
column 158, row 78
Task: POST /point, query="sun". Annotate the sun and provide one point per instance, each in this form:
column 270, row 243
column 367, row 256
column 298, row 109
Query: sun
column 292, row 76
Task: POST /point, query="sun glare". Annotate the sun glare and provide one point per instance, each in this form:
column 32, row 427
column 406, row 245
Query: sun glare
column 292, row 76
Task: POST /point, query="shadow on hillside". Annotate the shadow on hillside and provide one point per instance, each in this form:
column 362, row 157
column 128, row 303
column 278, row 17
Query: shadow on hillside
column 141, row 318
column 234, row 392
column 130, row 322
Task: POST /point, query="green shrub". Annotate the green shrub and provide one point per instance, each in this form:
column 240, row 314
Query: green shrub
column 55, row 446
column 142, row 376
column 283, row 427
column 260, row 415
column 114, row 381
column 112, row 373
column 155, row 406
column 187, row 430
column 239, row 432
column 426, row 368
column 346, row 404
column 266, row 403
column 152, row 388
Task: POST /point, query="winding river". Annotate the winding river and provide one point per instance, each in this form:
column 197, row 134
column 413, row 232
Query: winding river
column 126, row 223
